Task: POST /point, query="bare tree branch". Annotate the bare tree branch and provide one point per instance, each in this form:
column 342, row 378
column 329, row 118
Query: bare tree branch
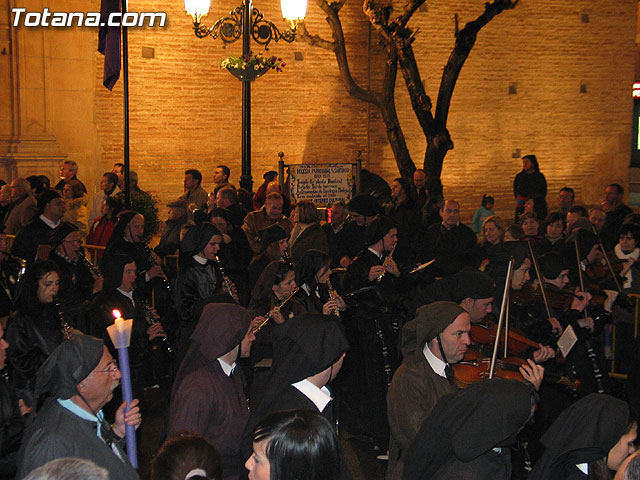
column 339, row 49
column 465, row 40
column 303, row 35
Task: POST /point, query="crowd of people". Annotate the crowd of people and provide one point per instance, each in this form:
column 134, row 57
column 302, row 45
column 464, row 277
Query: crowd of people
column 271, row 331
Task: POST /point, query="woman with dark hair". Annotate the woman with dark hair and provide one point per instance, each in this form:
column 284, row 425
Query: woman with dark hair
column 79, row 283
column 294, row 445
column 75, row 199
column 589, row 439
column 530, row 184
column 553, row 226
column 274, row 242
column 312, row 274
column 103, row 226
column 275, row 285
column 627, row 249
column 530, row 226
column 306, row 232
column 186, row 456
column 35, row 328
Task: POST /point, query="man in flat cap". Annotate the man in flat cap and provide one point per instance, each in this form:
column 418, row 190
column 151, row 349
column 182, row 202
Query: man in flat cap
column 434, row 340
column 81, row 376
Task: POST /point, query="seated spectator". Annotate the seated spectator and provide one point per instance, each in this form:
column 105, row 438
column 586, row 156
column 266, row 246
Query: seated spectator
column 335, row 231
column 170, row 238
column 103, row 227
column 483, row 212
column 261, row 193
column 24, row 206
column 75, row 200
column 294, row 445
column 5, row 202
column 627, row 250
column 514, row 233
column 306, row 234
column 51, row 208
column 554, row 226
column 268, row 215
column 187, row 455
column 530, row 225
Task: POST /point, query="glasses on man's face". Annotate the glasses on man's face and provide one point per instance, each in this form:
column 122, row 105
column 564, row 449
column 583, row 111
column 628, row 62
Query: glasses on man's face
column 112, row 366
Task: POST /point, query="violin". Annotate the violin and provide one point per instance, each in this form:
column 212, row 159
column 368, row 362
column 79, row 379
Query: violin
column 475, row 367
column 485, row 333
column 531, row 295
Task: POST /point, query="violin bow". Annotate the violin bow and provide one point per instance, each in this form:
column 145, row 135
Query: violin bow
column 580, row 276
column 536, row 267
column 606, row 258
column 503, row 309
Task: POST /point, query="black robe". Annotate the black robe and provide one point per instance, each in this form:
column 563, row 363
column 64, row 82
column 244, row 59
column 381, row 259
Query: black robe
column 33, row 234
column 11, row 429
column 58, row 433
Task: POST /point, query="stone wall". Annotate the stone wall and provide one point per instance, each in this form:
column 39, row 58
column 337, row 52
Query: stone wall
column 549, row 78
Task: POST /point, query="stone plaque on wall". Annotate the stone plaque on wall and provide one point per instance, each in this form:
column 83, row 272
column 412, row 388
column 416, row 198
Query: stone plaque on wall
column 323, row 184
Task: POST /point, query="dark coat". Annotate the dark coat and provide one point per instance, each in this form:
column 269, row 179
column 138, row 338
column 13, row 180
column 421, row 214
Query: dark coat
column 35, row 233
column 11, row 429
column 311, row 237
column 453, row 249
column 32, row 335
column 58, row 433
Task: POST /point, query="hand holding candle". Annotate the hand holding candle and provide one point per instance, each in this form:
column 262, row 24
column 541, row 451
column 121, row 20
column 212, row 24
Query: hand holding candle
column 120, row 334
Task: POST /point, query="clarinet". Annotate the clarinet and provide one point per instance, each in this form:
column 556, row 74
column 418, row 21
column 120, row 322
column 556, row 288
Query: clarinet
column 287, row 259
column 226, row 281
column 390, row 256
column 21, row 261
column 95, row 271
column 267, row 317
column 64, row 325
column 152, row 260
column 152, row 319
column 332, row 295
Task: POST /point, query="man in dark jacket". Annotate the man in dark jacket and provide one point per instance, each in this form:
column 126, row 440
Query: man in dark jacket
column 451, row 243
column 81, row 376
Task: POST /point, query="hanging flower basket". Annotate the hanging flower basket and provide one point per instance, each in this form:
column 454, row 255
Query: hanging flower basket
column 248, row 74
column 249, row 67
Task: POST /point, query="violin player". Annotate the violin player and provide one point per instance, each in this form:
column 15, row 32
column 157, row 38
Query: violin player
column 435, row 339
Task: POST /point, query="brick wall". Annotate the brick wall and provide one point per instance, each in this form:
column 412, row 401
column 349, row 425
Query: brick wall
column 185, row 111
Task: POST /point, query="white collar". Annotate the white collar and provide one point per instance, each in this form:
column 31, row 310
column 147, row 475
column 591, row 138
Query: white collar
column 319, row 396
column 436, row 364
column 129, row 295
column 379, row 255
column 226, row 368
column 49, row 223
column 583, row 467
column 199, row 259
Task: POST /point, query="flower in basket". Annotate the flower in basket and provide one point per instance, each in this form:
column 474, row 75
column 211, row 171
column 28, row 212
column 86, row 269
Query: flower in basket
column 252, row 62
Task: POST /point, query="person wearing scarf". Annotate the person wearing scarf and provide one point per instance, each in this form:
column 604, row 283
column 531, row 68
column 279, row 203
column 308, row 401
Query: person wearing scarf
column 589, row 438
column 198, row 280
column 80, row 376
column 308, row 354
column 207, row 395
column 469, row 433
column 627, row 249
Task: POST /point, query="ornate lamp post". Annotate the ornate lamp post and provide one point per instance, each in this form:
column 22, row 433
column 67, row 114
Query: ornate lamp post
column 246, row 22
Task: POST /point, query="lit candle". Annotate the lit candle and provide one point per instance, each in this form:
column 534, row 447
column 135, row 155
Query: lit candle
column 120, row 334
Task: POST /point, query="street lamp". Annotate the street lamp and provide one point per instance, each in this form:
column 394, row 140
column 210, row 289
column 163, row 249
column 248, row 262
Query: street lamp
column 246, row 22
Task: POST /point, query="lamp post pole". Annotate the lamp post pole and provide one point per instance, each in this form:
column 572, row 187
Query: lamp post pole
column 246, row 180
column 241, row 24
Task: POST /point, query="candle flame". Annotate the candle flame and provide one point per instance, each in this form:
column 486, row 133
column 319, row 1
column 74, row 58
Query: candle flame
column 116, row 313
